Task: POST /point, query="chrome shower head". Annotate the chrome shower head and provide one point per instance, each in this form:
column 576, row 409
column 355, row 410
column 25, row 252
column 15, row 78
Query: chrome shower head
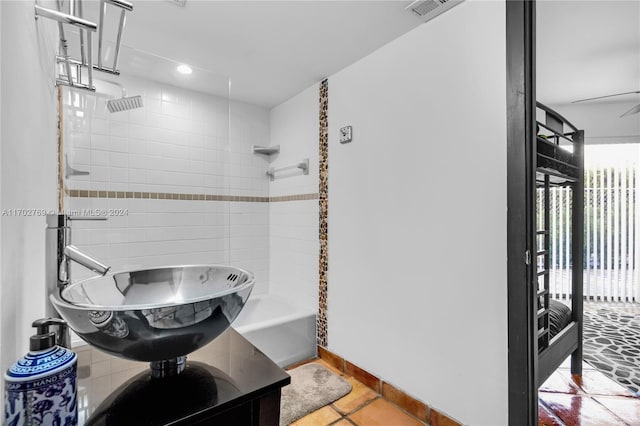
column 124, row 103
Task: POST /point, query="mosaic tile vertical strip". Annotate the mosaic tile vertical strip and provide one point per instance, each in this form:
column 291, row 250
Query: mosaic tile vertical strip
column 324, row 210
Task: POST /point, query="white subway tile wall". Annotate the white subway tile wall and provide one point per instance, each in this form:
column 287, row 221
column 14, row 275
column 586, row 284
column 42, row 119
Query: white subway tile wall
column 153, row 233
column 180, row 141
column 192, row 143
column 293, row 225
column 294, row 251
column 294, row 126
column 249, row 248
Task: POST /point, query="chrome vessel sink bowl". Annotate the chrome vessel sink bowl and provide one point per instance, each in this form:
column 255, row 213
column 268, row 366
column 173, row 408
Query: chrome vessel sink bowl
column 158, row 315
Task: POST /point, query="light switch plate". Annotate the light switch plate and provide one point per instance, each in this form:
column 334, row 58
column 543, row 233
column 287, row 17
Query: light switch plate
column 346, row 134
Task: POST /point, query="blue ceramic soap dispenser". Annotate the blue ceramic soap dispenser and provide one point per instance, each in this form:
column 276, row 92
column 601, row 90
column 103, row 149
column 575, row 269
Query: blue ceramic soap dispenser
column 40, row 389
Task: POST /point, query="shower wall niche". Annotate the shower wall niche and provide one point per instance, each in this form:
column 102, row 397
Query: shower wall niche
column 176, row 177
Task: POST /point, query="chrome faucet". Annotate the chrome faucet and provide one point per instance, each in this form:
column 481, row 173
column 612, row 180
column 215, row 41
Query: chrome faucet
column 59, row 231
column 72, row 252
column 60, row 253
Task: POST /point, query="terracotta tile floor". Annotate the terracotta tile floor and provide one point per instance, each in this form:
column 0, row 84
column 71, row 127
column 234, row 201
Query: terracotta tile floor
column 362, row 406
column 564, row 400
column 593, row 399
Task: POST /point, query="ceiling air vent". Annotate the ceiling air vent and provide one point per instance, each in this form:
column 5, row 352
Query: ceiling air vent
column 429, row 9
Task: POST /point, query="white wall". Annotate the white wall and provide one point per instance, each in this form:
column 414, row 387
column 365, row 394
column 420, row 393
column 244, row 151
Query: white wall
column 417, row 214
column 28, row 168
column 293, row 225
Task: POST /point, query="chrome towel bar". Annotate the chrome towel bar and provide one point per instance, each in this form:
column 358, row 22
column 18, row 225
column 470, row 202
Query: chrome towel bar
column 302, row 165
column 65, row 18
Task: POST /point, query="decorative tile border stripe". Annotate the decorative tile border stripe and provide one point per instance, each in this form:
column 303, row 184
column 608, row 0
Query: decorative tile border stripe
column 298, row 197
column 323, row 190
column 84, row 193
column 411, row 405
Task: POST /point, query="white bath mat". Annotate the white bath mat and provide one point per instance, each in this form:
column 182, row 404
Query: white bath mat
column 312, row 387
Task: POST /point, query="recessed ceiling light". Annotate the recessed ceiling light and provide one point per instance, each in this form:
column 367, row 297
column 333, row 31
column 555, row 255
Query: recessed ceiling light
column 184, row 69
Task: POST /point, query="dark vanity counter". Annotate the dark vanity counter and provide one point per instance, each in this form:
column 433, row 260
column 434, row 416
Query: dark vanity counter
column 228, row 382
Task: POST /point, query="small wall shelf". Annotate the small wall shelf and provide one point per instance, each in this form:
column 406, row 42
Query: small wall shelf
column 257, row 149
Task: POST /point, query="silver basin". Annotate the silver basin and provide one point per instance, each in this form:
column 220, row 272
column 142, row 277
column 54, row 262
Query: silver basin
column 155, row 314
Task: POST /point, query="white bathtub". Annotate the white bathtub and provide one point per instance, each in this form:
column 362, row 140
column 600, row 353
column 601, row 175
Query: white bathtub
column 285, row 333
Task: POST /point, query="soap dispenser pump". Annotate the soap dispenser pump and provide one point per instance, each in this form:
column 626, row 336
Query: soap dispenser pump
column 40, row 389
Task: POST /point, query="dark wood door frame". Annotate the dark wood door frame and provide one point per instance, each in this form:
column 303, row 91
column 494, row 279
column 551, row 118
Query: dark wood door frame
column 521, row 101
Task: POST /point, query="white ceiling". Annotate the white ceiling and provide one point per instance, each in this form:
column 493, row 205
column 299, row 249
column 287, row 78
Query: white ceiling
column 270, row 50
column 587, row 49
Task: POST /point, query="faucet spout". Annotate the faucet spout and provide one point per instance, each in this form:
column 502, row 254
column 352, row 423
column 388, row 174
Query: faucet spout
column 72, row 252
column 59, row 254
